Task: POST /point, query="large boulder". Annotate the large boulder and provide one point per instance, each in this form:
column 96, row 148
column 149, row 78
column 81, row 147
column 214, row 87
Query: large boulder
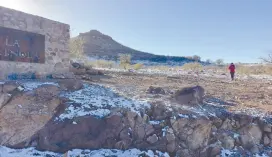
column 10, row 86
column 190, row 95
column 26, row 114
column 83, row 132
column 4, row 99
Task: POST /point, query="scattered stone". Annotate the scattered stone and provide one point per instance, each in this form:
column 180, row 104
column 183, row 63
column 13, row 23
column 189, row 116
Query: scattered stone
column 170, row 137
column 68, row 75
column 140, row 132
column 183, row 153
column 77, row 71
column 267, row 127
column 250, row 135
column 216, row 150
column 155, row 90
column 94, row 72
column 270, row 135
column 227, row 125
column 77, row 65
column 254, row 149
column 124, row 144
column 152, row 139
column 171, row 147
column 266, row 140
column 228, row 142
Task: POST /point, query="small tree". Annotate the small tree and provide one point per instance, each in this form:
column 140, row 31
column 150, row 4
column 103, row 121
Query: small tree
column 196, row 58
column 267, row 59
column 76, row 48
column 208, row 61
column 219, row 62
column 125, row 60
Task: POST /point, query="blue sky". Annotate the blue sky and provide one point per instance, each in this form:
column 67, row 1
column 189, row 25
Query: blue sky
column 234, row 30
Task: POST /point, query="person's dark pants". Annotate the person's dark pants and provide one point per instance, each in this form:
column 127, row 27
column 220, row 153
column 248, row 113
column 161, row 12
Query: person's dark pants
column 232, row 75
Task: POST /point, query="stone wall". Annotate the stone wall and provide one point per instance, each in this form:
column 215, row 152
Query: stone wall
column 57, row 37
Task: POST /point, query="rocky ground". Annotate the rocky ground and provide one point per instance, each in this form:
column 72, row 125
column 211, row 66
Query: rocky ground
column 251, row 96
column 142, row 114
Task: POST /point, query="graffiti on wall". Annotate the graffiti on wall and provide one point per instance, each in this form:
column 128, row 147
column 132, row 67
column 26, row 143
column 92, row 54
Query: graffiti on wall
column 21, row 46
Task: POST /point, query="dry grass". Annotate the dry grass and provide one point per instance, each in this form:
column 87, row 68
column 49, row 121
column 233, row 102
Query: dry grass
column 138, row 66
column 192, row 66
column 100, row 64
column 254, row 70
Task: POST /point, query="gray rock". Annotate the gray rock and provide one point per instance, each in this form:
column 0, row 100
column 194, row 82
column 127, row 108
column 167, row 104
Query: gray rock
column 152, row 139
column 155, row 90
column 171, row 147
column 266, row 140
column 4, row 99
column 267, row 127
column 250, row 135
column 10, row 86
column 68, row 75
column 228, row 142
column 70, row 84
column 190, row 95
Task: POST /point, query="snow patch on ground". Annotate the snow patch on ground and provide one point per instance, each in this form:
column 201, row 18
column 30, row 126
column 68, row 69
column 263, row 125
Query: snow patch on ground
column 235, row 153
column 114, row 152
column 31, row 152
column 155, row 122
column 27, row 152
column 97, row 100
column 28, row 86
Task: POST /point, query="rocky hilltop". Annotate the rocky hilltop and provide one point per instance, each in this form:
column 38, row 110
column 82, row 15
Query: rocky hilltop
column 99, row 45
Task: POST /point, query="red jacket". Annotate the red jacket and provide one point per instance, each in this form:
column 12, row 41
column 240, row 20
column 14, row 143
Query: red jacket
column 232, row 68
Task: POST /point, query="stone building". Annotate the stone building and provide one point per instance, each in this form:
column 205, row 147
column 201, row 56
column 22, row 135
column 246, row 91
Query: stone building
column 30, row 43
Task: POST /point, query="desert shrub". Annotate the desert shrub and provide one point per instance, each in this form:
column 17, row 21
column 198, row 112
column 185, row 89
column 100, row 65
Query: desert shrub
column 125, row 60
column 192, row 66
column 208, row 61
column 76, row 49
column 267, row 59
column 138, row 66
column 99, row 64
column 196, row 58
column 159, row 67
column 219, row 62
column 254, row 69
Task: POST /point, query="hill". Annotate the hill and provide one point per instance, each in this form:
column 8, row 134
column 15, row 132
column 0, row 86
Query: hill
column 101, row 46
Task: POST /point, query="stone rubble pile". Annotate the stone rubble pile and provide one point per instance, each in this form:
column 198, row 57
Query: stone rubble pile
column 28, row 120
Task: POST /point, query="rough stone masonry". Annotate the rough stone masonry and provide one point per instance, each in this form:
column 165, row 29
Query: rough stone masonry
column 30, row 43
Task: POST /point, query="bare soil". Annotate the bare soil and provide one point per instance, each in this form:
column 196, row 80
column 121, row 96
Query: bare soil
column 236, row 95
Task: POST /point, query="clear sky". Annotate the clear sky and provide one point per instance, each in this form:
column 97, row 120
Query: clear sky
column 234, row 30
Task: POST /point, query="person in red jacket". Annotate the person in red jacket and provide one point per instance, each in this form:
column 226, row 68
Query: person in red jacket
column 232, row 70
